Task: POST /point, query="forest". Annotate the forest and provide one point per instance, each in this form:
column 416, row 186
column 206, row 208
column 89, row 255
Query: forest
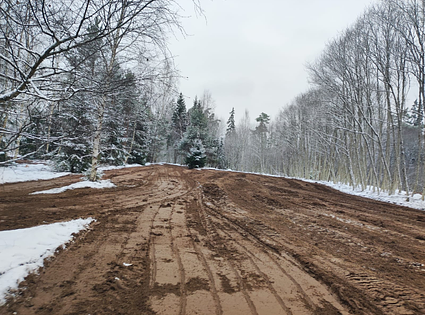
column 84, row 83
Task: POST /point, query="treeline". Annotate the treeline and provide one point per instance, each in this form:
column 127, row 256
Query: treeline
column 96, row 85
column 84, row 82
column 356, row 124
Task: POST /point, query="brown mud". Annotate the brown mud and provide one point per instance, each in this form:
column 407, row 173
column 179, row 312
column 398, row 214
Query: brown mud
column 169, row 240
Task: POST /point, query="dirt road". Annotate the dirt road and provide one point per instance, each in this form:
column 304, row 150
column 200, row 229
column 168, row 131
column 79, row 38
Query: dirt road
column 169, row 240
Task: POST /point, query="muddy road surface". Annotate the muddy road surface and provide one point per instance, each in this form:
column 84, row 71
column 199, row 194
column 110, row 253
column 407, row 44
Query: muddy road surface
column 169, row 240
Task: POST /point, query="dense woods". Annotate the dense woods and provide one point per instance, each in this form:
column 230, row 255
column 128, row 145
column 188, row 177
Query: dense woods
column 89, row 82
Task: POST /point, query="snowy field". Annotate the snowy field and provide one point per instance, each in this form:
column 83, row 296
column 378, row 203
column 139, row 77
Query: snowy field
column 23, row 251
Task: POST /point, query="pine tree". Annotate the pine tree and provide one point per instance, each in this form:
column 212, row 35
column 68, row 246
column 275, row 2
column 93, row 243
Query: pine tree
column 260, row 134
column 231, row 154
column 178, row 126
column 196, row 157
column 412, row 116
column 231, row 128
column 196, row 128
column 204, row 127
column 263, row 121
column 103, row 113
column 179, row 119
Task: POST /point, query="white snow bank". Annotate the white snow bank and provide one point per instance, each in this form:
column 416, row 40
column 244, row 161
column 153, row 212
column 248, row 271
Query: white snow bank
column 27, row 172
column 24, row 250
column 84, row 184
column 108, row 168
column 398, row 198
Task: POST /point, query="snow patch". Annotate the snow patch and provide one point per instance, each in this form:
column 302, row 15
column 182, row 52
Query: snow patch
column 84, row 184
column 23, row 251
column 40, row 171
column 28, row 172
column 111, row 167
column 399, row 197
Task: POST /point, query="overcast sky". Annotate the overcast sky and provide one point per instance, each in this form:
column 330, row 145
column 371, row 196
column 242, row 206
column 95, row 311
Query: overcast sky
column 253, row 54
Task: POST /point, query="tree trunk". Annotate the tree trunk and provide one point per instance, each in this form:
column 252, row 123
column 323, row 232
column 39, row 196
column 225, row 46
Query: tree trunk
column 131, row 144
column 96, row 140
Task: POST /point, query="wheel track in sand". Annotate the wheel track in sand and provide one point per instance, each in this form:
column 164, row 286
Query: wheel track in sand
column 211, row 238
column 177, row 280
column 239, row 234
column 275, row 242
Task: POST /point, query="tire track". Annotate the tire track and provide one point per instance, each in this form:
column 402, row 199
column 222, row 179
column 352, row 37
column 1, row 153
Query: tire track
column 183, row 299
column 214, row 292
column 213, row 239
column 165, row 282
column 244, row 290
column 176, row 282
column 227, row 237
column 264, row 240
column 193, row 240
column 172, row 241
column 251, row 257
column 242, row 234
column 198, row 289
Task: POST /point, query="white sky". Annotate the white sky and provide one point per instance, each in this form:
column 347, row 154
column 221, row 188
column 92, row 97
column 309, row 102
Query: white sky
column 253, row 54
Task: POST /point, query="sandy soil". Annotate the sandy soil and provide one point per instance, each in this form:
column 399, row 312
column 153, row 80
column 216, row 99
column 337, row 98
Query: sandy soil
column 211, row 242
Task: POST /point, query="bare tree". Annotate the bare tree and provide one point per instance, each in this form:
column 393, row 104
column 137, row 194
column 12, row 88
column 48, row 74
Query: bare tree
column 35, row 36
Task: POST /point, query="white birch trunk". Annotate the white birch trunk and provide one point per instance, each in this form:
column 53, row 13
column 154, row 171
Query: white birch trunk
column 96, row 140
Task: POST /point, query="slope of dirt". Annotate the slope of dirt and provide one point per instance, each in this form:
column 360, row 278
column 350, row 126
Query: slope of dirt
column 169, row 240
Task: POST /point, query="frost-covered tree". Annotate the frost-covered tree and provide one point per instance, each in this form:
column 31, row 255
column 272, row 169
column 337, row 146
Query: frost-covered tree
column 202, row 125
column 43, row 36
column 196, row 128
column 231, row 145
column 39, row 33
column 260, row 137
column 178, row 127
column 196, row 157
column 231, row 127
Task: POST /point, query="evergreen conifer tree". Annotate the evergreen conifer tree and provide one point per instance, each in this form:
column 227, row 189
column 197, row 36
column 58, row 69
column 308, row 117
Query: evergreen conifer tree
column 231, row 128
column 196, row 157
column 178, row 126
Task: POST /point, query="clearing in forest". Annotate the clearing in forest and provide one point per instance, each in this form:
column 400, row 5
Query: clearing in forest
column 169, row 240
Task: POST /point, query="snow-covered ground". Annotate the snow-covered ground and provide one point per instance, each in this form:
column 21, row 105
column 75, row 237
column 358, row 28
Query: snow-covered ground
column 84, row 184
column 23, row 251
column 108, row 168
column 27, row 172
column 398, row 198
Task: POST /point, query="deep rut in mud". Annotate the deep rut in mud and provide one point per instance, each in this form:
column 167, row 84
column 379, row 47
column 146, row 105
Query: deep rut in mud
column 168, row 240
